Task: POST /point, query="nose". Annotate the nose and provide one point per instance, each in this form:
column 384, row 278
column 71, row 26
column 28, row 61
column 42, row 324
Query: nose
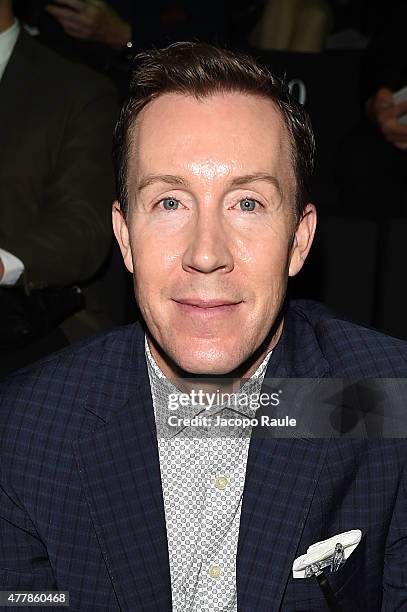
column 208, row 249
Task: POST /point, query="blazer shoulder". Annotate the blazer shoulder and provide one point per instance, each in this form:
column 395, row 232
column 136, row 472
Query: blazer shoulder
column 53, row 71
column 56, row 388
column 352, row 349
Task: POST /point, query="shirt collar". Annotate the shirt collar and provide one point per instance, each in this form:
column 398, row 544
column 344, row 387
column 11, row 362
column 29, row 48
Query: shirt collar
column 162, row 387
column 8, row 39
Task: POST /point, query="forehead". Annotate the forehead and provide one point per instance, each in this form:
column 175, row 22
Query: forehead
column 227, row 133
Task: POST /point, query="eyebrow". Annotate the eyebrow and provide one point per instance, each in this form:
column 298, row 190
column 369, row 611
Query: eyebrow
column 252, row 178
column 238, row 181
column 170, row 179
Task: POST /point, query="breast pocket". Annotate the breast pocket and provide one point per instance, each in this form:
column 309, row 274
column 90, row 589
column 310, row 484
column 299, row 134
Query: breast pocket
column 305, row 594
column 351, row 570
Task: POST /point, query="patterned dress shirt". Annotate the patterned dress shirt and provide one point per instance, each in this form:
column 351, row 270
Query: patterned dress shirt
column 203, row 471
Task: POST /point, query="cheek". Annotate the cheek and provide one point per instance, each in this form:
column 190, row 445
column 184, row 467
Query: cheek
column 154, row 257
column 266, row 275
column 264, row 261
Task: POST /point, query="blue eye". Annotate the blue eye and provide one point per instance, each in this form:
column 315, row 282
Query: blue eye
column 170, row 204
column 248, row 205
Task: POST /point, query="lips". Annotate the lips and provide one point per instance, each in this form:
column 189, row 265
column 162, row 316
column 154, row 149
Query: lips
column 198, row 303
column 207, row 309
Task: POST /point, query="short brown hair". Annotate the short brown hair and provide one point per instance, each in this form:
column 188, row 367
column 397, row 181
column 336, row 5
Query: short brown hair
column 200, row 70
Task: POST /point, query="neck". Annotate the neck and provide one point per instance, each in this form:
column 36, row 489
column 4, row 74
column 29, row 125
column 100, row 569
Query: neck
column 6, row 16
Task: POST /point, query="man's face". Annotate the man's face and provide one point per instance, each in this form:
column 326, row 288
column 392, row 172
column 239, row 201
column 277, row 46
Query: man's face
column 210, row 233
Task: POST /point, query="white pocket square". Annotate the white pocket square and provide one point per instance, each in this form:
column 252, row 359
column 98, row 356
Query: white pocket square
column 321, row 554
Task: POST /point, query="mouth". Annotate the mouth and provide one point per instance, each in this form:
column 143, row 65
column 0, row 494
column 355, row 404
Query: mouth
column 207, row 308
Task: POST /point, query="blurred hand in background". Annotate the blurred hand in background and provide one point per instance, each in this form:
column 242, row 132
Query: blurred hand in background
column 91, row 20
column 382, row 110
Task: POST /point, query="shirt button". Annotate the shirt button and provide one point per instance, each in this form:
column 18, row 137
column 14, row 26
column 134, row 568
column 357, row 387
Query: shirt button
column 221, row 482
column 214, row 571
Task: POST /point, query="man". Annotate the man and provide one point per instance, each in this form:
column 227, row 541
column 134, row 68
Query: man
column 55, row 169
column 98, row 497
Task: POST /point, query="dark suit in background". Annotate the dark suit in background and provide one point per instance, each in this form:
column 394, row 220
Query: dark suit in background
column 81, row 506
column 56, row 184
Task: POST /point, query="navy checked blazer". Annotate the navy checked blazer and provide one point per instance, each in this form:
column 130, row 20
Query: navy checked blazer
column 81, row 506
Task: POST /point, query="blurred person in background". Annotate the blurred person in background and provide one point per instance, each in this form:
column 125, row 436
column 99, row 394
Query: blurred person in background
column 103, row 33
column 293, row 25
column 375, row 177
column 385, row 72
column 56, row 188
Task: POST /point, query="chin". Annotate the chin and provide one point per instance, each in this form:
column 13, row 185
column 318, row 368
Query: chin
column 207, row 360
column 204, row 369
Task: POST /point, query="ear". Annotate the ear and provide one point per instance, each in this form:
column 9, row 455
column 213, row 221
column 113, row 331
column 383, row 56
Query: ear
column 121, row 231
column 302, row 240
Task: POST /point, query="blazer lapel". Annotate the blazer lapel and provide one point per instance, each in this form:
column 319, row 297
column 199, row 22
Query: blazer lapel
column 281, row 477
column 120, row 472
